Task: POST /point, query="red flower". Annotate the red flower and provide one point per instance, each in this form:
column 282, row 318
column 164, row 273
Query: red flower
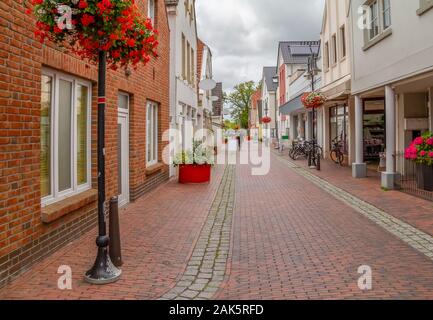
column 29, row 11
column 131, row 42
column 83, row 4
column 115, row 54
column 87, row 19
column 35, row 2
column 57, row 29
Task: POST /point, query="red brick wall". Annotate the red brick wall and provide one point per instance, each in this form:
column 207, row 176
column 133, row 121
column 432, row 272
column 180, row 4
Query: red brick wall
column 24, row 238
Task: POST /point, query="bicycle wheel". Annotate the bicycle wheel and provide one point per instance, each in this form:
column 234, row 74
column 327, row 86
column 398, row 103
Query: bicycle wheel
column 334, row 156
column 340, row 159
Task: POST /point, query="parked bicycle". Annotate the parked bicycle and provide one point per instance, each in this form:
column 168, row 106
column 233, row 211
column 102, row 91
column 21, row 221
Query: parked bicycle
column 306, row 150
column 337, row 154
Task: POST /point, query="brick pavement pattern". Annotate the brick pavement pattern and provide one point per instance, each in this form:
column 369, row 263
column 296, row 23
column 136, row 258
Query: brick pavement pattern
column 417, row 239
column 293, row 236
column 292, row 240
column 158, row 234
column 206, row 268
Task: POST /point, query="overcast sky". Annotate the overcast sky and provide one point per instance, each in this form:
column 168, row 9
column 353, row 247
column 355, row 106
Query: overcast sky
column 244, row 34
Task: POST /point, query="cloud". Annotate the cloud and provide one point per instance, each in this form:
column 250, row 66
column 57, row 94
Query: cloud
column 244, row 34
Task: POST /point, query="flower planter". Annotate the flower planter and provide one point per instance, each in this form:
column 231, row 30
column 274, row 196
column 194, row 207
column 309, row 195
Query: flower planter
column 424, row 177
column 193, row 174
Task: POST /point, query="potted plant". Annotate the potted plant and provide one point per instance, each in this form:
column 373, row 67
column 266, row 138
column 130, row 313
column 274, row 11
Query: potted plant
column 421, row 151
column 195, row 166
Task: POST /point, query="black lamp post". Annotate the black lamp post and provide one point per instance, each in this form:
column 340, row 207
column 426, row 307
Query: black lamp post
column 103, row 270
column 313, row 70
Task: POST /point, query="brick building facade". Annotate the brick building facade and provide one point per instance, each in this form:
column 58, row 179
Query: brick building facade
column 41, row 206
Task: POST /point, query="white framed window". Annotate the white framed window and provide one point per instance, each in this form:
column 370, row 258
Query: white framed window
column 386, row 14
column 151, row 133
column 151, row 10
column 373, row 19
column 65, row 136
column 424, row 6
column 334, row 49
column 343, row 48
column 326, row 54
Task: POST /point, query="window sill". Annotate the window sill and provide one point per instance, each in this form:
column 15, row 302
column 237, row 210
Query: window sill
column 154, row 169
column 377, row 39
column 57, row 210
column 424, row 9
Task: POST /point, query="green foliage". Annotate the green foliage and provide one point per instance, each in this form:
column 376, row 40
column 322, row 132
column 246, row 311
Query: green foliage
column 240, row 101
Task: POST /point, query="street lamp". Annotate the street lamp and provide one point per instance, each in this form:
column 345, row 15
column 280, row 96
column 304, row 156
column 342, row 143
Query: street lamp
column 103, row 270
column 312, row 71
column 276, row 81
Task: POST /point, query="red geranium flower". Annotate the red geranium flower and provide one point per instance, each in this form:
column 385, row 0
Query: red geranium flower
column 83, row 4
column 87, row 19
column 131, row 42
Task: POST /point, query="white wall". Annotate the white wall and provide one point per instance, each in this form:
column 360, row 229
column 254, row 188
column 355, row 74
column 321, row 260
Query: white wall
column 407, row 51
column 336, row 16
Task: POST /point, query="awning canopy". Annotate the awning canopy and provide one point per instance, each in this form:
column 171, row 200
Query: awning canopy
column 291, row 106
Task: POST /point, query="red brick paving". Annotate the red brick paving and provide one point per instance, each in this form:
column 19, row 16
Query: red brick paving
column 294, row 241
column 291, row 240
column 414, row 211
column 158, row 234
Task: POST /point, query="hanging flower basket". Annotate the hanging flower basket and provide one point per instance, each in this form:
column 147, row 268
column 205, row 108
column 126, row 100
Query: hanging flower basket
column 88, row 26
column 266, row 120
column 313, row 100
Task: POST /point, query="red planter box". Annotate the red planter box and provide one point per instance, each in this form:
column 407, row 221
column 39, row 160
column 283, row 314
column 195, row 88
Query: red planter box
column 191, row 173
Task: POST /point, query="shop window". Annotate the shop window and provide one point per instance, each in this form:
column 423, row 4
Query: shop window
column 339, row 126
column 65, row 136
column 374, row 129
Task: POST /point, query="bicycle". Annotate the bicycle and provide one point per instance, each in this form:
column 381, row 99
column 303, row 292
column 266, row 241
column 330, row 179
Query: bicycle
column 314, row 154
column 299, row 149
column 337, row 154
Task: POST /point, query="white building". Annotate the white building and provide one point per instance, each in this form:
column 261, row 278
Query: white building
column 269, row 100
column 392, row 78
column 185, row 115
column 205, row 103
column 339, row 110
column 295, row 119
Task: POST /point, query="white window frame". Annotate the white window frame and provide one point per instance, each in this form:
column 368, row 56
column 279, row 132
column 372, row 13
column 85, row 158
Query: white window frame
column 374, row 13
column 343, row 42
column 152, row 134
column 383, row 12
column 334, row 49
column 151, row 10
column 55, row 194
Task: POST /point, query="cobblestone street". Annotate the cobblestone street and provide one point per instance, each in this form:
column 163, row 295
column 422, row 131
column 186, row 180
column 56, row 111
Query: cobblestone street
column 285, row 235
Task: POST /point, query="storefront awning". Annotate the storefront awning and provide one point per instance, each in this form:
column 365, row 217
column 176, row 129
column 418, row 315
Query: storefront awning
column 293, row 105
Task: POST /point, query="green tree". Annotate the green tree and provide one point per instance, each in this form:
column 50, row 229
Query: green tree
column 240, row 101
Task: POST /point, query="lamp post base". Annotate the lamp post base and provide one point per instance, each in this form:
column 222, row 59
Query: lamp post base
column 103, row 271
